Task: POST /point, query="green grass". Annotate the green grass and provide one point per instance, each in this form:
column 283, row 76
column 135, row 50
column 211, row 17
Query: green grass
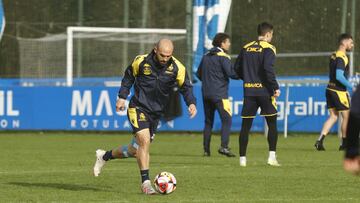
column 57, row 167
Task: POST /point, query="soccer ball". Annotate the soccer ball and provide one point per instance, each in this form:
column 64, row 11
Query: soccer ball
column 165, row 183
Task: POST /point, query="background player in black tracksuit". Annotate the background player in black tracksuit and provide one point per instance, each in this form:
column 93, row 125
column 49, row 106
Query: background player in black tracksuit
column 352, row 155
column 254, row 65
column 214, row 72
column 337, row 97
column 153, row 77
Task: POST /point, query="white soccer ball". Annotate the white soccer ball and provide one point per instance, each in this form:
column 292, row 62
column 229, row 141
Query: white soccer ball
column 165, row 183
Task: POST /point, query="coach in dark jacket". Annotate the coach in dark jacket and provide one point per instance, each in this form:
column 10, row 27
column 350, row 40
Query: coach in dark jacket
column 214, row 72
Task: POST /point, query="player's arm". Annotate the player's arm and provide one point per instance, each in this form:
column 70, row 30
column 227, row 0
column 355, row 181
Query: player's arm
column 185, row 88
column 228, row 68
column 237, row 67
column 127, row 82
column 199, row 70
column 269, row 60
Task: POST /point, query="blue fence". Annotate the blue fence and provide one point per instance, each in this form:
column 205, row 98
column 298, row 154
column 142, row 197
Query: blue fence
column 93, row 108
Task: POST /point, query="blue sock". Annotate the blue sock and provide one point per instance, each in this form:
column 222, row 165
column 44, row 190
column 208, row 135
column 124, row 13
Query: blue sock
column 108, row 155
column 144, row 175
column 125, row 152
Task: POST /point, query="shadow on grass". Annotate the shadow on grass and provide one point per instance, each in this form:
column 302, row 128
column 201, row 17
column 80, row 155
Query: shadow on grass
column 175, row 154
column 61, row 186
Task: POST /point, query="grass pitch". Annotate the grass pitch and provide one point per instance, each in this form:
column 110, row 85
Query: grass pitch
column 57, row 167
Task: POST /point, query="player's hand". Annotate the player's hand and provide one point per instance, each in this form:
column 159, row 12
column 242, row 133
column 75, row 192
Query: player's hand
column 277, row 93
column 352, row 165
column 120, row 104
column 192, row 110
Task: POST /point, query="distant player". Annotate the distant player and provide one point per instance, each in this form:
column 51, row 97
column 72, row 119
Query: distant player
column 255, row 66
column 352, row 155
column 214, row 72
column 153, row 75
column 337, row 97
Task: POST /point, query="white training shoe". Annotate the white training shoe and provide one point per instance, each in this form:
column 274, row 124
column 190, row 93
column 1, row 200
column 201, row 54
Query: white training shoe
column 146, row 188
column 243, row 161
column 273, row 162
column 100, row 162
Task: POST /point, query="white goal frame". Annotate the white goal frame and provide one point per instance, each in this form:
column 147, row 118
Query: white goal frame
column 70, row 41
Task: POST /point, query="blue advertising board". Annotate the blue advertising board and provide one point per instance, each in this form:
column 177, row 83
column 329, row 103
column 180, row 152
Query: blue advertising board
column 93, row 108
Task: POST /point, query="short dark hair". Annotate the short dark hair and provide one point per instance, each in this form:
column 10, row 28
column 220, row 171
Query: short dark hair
column 344, row 36
column 264, row 28
column 220, row 38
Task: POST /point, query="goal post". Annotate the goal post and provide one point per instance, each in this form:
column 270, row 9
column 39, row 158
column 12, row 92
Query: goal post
column 89, row 32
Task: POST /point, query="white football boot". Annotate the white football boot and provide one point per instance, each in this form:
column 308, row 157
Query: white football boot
column 100, row 162
column 243, row 161
column 273, row 162
column 146, row 188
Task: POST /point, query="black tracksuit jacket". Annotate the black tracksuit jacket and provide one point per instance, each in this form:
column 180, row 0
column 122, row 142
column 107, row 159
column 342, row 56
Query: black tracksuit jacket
column 255, row 66
column 214, row 72
column 153, row 83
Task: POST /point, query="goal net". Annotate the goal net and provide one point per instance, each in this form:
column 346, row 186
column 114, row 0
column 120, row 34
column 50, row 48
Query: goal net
column 91, row 52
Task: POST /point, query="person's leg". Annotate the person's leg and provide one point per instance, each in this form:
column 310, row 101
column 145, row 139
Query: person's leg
column 143, row 159
column 352, row 136
column 330, row 121
column 121, row 152
column 272, row 139
column 248, row 113
column 209, row 110
column 326, row 128
column 244, row 135
column 269, row 110
column 223, row 107
column 344, row 123
column 272, row 133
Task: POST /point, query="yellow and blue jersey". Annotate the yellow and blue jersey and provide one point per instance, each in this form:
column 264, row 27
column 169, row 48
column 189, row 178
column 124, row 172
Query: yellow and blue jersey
column 338, row 60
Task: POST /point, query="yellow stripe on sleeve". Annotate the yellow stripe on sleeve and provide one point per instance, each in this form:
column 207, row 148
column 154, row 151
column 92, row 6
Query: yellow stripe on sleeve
column 220, row 53
column 136, row 64
column 180, row 78
column 264, row 44
column 249, row 44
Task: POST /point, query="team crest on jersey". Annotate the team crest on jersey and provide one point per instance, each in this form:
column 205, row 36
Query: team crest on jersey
column 147, row 69
column 170, row 69
column 142, row 117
